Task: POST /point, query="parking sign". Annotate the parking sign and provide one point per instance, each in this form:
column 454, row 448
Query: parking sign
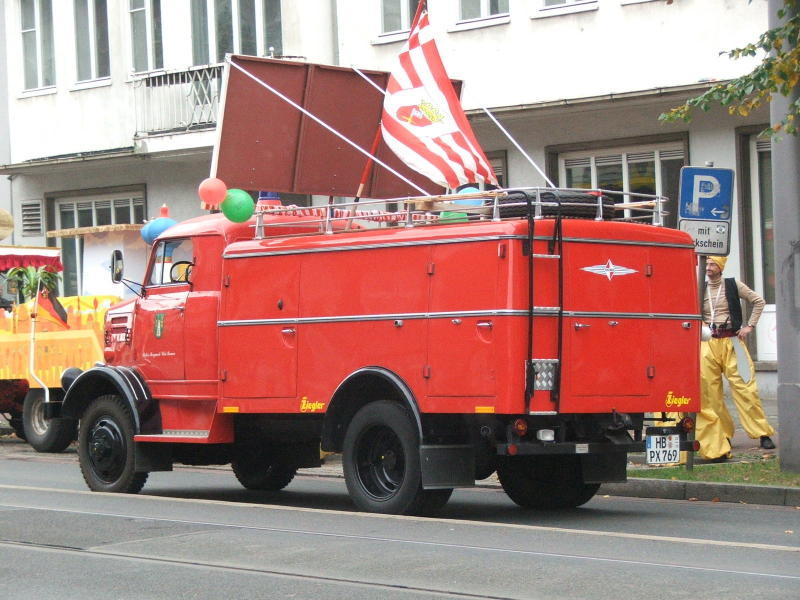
column 705, row 208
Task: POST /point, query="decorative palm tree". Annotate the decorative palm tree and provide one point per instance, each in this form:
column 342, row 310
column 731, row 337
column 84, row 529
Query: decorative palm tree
column 29, row 278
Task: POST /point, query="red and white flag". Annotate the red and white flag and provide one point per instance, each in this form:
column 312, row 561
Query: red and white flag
column 423, row 122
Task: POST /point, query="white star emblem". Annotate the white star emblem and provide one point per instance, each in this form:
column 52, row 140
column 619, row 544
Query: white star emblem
column 609, row 270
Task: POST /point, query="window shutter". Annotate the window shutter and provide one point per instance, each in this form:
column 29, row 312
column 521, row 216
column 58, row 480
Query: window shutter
column 32, row 218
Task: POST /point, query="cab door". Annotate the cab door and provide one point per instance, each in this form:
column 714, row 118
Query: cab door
column 160, row 313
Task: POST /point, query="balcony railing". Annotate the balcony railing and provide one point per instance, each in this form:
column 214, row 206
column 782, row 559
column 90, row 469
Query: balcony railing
column 177, row 101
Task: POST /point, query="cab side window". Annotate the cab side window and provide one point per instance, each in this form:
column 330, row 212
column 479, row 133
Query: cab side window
column 172, row 262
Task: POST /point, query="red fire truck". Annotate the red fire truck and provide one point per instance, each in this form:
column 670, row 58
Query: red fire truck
column 430, row 352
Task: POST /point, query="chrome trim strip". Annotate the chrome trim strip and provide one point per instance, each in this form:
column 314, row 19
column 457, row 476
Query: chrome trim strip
column 604, row 315
column 625, row 242
column 461, row 240
column 542, row 412
column 539, row 310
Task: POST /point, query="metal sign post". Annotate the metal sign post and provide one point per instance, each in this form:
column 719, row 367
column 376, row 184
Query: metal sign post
column 705, row 209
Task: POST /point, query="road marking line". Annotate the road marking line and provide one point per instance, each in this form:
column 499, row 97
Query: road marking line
column 543, row 528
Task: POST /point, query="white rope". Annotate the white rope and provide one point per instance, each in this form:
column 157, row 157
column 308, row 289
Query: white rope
column 513, row 141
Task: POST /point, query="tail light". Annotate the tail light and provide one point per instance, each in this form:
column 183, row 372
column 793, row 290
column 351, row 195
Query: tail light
column 687, row 424
column 521, row 427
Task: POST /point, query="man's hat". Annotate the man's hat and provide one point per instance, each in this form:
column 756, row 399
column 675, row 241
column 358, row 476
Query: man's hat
column 719, row 261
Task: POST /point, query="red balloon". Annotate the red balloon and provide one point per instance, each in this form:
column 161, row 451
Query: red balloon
column 212, row 191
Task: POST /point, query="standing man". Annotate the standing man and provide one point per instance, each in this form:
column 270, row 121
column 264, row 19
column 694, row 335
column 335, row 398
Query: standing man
column 722, row 311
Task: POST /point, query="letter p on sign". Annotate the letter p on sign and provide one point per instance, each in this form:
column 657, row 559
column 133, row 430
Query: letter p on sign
column 705, row 186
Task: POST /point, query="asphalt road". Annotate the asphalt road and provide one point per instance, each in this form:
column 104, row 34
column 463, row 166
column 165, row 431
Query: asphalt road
column 194, row 533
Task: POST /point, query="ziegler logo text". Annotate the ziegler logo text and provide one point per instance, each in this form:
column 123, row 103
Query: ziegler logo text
column 306, row 406
column 676, row 400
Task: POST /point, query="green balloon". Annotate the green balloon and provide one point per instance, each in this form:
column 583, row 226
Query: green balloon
column 238, row 206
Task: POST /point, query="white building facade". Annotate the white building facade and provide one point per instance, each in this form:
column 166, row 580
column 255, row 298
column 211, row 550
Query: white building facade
column 113, row 104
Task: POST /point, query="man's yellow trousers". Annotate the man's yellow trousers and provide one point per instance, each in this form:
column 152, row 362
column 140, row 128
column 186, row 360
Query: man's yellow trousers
column 715, row 426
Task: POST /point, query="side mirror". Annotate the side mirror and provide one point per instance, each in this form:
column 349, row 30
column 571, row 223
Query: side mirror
column 117, row 266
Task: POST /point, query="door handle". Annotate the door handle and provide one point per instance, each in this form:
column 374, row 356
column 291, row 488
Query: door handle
column 579, row 326
column 288, row 331
column 485, row 324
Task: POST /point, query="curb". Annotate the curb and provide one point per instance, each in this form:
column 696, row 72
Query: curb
column 706, row 491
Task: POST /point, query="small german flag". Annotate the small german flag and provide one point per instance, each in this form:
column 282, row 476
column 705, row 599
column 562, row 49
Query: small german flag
column 51, row 310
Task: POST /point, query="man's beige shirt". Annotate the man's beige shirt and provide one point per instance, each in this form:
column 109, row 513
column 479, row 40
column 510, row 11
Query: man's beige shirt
column 716, row 297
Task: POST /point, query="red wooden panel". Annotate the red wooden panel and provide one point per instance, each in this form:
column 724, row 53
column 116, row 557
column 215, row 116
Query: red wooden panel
column 266, row 144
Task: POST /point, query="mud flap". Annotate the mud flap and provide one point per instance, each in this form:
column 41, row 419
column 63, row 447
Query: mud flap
column 447, row 466
column 605, row 468
column 152, row 457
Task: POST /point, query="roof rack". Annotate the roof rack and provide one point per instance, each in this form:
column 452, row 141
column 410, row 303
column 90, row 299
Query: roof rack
column 490, row 205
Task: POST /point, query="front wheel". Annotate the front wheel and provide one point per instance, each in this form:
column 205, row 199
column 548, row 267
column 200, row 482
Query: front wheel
column 45, row 435
column 382, row 465
column 105, row 447
column 545, row 482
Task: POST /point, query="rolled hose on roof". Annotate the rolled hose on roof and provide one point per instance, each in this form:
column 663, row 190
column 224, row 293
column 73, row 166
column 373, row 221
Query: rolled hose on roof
column 587, row 202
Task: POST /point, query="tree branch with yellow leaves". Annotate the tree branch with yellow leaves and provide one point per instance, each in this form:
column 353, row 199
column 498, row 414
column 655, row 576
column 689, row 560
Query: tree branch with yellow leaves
column 778, row 73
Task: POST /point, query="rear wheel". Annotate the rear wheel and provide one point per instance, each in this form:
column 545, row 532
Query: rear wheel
column 258, row 474
column 382, row 465
column 545, row 482
column 45, row 435
column 106, row 449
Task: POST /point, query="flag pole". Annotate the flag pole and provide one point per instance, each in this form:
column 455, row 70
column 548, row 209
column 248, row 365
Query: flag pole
column 513, row 141
column 32, row 348
column 421, row 5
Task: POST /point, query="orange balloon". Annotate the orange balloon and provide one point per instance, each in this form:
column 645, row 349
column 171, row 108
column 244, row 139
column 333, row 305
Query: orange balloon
column 212, row 191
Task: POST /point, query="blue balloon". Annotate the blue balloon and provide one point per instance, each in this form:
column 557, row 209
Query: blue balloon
column 155, row 228
column 471, row 202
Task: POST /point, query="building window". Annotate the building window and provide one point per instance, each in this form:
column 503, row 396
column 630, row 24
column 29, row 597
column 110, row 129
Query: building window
column 91, row 39
column 548, row 3
column 762, row 218
column 37, row 43
column 90, row 212
column 397, row 15
column 548, row 8
column 32, row 218
column 220, row 27
column 638, row 169
column 499, row 162
column 148, row 53
column 476, row 9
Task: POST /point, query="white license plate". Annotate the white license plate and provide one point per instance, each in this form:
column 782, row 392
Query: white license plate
column 663, row 449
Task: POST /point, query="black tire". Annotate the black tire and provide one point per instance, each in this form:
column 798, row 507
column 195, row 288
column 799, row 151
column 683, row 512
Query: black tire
column 545, row 482
column 106, row 449
column 259, row 474
column 381, row 463
column 15, row 422
column 575, row 205
column 45, row 435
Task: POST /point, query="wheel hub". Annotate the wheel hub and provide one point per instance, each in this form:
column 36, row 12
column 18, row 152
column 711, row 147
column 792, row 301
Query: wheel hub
column 381, row 463
column 106, row 449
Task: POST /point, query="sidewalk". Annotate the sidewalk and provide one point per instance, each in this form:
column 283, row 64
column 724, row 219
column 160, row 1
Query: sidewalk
column 650, row 488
